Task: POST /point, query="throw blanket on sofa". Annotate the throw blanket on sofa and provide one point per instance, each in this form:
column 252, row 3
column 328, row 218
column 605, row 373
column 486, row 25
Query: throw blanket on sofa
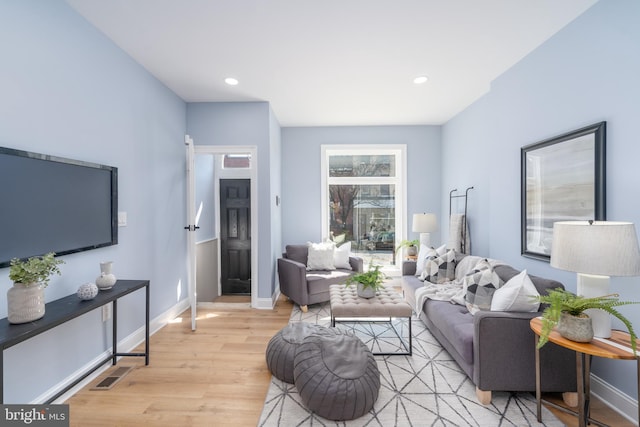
column 448, row 291
column 453, row 291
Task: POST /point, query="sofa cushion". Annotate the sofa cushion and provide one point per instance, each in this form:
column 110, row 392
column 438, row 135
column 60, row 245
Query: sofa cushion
column 298, row 253
column 320, row 256
column 440, row 269
column 516, row 295
column 455, row 323
column 319, row 281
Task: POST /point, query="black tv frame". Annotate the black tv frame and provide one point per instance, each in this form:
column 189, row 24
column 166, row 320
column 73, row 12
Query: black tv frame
column 114, row 198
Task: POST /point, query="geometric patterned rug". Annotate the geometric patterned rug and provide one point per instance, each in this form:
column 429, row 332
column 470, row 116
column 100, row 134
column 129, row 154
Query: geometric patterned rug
column 425, row 389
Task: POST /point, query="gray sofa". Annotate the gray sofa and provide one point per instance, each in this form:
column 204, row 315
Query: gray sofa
column 304, row 286
column 495, row 349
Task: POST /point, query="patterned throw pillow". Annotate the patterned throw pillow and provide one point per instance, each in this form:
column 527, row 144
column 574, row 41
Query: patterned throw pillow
column 426, row 252
column 480, row 286
column 440, row 269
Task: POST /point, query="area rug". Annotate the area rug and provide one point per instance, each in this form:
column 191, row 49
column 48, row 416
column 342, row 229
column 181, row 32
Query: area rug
column 425, row 389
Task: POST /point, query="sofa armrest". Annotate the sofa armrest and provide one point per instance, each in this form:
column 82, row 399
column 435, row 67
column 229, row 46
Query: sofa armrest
column 357, row 264
column 293, row 280
column 504, row 355
column 409, row 268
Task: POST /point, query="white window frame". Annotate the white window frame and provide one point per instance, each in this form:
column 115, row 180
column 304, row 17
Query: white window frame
column 399, row 181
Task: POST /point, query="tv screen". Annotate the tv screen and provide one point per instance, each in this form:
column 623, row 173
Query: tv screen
column 52, row 204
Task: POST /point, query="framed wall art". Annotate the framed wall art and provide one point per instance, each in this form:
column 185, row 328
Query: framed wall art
column 562, row 179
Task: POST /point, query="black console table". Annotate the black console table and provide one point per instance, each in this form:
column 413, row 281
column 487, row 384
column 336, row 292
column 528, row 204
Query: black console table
column 64, row 309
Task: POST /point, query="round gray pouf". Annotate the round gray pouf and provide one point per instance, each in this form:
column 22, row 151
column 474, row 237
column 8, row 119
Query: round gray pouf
column 336, row 375
column 282, row 348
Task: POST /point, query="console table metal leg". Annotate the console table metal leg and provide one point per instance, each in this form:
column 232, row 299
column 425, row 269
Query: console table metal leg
column 2, row 377
column 114, row 334
column 538, row 385
column 146, row 336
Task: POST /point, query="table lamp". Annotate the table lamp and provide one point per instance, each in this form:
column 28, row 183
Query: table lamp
column 596, row 250
column 424, row 224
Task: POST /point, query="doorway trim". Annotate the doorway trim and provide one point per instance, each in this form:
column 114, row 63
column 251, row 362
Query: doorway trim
column 253, row 176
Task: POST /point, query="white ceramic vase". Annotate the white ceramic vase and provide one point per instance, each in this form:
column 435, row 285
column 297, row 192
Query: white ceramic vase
column 106, row 280
column 25, row 303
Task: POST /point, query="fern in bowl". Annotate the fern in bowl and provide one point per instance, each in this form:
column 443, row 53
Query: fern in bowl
column 367, row 282
column 564, row 305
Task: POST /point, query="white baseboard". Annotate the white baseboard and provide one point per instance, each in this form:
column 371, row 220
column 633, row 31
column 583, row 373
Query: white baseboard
column 125, row 345
column 268, row 303
column 614, row 398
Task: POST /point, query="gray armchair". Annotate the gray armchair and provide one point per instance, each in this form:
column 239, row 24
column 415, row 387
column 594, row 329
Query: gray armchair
column 304, row 286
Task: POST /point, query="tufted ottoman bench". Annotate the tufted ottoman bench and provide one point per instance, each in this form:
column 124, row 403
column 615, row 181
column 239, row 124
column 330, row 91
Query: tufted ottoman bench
column 336, row 375
column 387, row 304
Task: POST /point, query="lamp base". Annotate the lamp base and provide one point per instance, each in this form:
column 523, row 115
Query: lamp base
column 425, row 239
column 589, row 286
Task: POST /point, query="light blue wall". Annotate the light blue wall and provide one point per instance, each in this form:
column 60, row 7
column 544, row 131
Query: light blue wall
column 301, row 152
column 247, row 124
column 67, row 90
column 586, row 73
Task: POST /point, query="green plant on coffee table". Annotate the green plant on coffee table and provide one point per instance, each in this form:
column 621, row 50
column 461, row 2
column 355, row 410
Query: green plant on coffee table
column 407, row 243
column 35, row 269
column 561, row 301
column 372, row 278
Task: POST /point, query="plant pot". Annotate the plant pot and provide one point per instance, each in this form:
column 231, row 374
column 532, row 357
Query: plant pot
column 412, row 251
column 365, row 292
column 25, row 303
column 575, row 328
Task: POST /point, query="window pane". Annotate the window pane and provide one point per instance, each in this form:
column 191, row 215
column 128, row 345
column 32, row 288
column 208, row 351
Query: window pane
column 237, row 161
column 348, row 165
column 365, row 215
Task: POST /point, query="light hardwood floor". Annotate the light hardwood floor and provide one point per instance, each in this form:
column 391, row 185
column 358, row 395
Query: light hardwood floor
column 216, row 376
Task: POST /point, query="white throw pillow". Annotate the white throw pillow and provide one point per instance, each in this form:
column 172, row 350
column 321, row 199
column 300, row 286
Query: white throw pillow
column 320, row 256
column 426, row 252
column 516, row 295
column 341, row 256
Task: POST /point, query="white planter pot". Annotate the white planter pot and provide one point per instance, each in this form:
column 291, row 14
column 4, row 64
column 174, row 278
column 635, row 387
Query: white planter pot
column 25, row 303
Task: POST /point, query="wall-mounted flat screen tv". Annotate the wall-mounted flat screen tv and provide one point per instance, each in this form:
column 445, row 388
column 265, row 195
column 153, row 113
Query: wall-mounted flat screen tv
column 53, row 204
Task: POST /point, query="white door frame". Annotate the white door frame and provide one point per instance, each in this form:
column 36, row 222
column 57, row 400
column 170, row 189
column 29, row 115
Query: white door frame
column 253, row 176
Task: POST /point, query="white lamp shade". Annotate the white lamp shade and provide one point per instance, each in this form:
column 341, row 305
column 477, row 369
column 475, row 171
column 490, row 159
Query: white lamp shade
column 605, row 248
column 424, row 223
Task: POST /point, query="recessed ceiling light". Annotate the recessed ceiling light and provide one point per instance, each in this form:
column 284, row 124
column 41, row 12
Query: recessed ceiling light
column 231, row 81
column 421, row 79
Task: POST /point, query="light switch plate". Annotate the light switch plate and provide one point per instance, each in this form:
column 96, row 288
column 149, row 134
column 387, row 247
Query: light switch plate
column 122, row 219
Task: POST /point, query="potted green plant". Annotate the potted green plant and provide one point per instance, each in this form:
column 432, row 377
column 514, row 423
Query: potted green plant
column 367, row 282
column 566, row 311
column 411, row 245
column 25, row 300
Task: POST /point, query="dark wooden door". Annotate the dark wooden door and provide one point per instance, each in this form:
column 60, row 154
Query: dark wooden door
column 235, row 236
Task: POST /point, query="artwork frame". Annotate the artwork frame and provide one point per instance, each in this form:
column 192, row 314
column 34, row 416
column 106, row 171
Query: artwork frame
column 562, row 178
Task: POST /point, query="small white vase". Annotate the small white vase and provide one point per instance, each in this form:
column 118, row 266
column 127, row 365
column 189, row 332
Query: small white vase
column 25, row 303
column 106, row 280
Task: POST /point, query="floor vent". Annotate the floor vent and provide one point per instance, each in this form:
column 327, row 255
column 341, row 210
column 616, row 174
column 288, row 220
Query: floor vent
column 113, row 378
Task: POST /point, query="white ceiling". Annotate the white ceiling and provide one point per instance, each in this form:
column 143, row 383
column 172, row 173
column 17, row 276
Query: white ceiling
column 332, row 62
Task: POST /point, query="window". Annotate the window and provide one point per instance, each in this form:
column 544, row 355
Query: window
column 363, row 199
